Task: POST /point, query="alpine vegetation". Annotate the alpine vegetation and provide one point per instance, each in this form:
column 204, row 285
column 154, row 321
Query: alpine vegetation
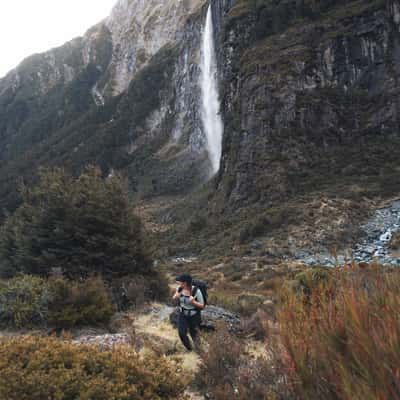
column 200, row 199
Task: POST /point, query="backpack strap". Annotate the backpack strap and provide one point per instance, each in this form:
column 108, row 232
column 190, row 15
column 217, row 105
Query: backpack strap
column 195, row 290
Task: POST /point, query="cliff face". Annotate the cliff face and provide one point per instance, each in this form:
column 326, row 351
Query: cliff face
column 309, row 95
column 311, row 98
column 124, row 96
column 139, row 29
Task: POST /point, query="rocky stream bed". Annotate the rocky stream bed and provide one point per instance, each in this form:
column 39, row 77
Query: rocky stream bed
column 373, row 244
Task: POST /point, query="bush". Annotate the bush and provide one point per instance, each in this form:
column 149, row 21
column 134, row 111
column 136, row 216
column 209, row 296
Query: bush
column 249, row 303
column 220, row 363
column 81, row 225
column 157, row 286
column 312, row 278
column 259, row 379
column 128, row 292
column 133, row 291
column 28, row 301
column 34, row 368
column 265, row 224
column 236, row 301
column 79, row 303
column 229, row 372
column 23, row 302
column 253, row 229
column 197, row 224
column 256, row 326
column 343, row 338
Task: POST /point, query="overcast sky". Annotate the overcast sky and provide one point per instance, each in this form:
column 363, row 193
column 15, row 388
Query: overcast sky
column 34, row 26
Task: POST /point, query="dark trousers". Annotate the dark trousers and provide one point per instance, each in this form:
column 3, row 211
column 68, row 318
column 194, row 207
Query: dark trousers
column 191, row 324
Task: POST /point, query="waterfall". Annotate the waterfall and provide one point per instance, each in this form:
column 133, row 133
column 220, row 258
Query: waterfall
column 212, row 121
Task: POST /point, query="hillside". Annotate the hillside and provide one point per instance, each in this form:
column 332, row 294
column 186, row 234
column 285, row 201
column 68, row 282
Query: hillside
column 252, row 145
column 308, row 98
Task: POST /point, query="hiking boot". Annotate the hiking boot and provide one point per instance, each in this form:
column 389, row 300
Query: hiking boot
column 197, row 346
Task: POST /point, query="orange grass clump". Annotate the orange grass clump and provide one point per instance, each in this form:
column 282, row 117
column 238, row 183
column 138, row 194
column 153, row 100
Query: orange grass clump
column 342, row 340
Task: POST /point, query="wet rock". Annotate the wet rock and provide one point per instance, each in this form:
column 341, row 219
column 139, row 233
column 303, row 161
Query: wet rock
column 375, row 238
column 211, row 316
column 386, row 236
column 377, row 234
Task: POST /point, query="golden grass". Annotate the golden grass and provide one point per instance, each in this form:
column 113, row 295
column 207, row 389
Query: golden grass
column 343, row 338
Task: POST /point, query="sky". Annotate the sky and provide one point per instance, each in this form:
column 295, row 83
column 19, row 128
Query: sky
column 34, row 26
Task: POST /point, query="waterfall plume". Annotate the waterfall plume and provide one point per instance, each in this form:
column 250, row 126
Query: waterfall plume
column 210, row 112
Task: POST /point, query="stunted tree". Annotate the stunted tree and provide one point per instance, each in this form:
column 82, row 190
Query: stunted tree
column 81, row 225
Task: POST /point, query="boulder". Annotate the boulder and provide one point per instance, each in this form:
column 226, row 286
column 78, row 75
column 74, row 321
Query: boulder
column 212, row 315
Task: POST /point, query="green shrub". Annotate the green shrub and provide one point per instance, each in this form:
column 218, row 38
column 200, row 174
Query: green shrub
column 157, row 286
column 235, row 300
column 27, row 301
column 81, row 225
column 197, row 224
column 249, row 303
column 134, row 291
column 128, row 292
column 264, row 224
column 33, row 368
column 253, row 229
column 79, row 303
column 23, row 302
column 310, row 279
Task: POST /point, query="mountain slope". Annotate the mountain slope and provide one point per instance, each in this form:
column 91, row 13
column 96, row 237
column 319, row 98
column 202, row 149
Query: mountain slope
column 124, row 96
column 314, row 99
column 309, row 95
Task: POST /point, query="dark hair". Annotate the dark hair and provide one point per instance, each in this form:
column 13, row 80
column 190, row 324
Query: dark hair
column 184, row 278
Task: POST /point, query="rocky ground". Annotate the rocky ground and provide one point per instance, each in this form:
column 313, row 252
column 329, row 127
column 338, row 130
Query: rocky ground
column 373, row 244
column 378, row 233
column 149, row 331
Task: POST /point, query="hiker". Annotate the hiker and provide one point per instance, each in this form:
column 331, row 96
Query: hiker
column 191, row 302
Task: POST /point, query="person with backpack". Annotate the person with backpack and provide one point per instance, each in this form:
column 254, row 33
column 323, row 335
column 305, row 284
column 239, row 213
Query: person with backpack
column 190, row 301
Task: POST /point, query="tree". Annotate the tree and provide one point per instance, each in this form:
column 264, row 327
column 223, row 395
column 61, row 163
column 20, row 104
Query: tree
column 81, row 225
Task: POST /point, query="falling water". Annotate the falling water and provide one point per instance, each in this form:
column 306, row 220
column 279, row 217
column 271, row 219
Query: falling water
column 211, row 118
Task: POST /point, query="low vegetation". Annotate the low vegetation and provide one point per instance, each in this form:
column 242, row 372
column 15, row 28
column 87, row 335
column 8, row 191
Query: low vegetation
column 33, row 302
column 228, row 371
column 33, row 368
column 24, row 302
column 342, row 335
column 73, row 253
column 79, row 303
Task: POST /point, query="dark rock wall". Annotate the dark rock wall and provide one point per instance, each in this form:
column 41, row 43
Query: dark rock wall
column 309, row 95
column 312, row 98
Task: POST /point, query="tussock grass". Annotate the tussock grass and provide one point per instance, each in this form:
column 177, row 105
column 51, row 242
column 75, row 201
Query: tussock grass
column 342, row 338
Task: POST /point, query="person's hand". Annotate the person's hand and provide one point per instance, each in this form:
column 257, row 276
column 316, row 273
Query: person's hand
column 176, row 295
column 191, row 299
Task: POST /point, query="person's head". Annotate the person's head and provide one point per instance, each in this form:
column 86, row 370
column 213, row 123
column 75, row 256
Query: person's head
column 184, row 281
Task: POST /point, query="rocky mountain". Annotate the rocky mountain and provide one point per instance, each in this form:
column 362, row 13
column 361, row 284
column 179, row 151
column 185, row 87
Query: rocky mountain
column 312, row 91
column 309, row 98
column 117, row 97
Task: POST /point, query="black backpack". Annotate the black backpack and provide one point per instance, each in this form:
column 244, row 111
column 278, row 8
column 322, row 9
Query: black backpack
column 197, row 284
